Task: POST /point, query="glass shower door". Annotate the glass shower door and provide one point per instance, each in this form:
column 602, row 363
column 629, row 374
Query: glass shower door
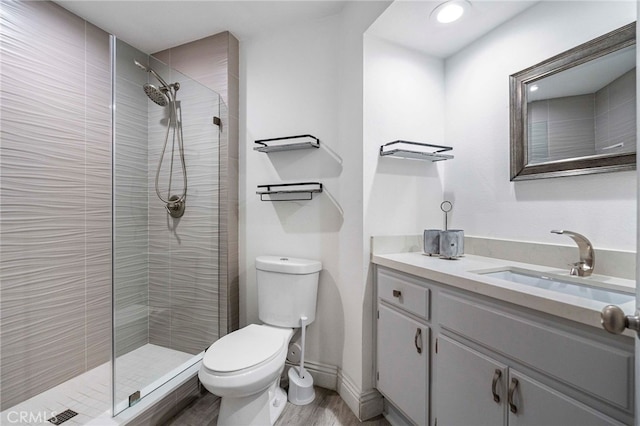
column 165, row 268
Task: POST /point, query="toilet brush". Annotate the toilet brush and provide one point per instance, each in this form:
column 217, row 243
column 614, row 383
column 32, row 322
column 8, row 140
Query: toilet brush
column 300, row 381
column 303, row 321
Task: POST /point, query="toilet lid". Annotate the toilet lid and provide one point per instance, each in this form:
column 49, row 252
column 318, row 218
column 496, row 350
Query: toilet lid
column 244, row 348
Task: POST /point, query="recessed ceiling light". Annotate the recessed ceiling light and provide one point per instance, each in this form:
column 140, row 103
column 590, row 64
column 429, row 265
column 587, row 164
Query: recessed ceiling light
column 533, row 88
column 450, row 11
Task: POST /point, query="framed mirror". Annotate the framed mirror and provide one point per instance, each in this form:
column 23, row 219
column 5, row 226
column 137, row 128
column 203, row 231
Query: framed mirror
column 575, row 113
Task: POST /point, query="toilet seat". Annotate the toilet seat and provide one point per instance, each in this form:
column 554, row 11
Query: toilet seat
column 246, row 348
column 250, row 367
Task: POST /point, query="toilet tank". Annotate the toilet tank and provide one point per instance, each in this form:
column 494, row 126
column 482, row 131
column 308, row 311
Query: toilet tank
column 287, row 289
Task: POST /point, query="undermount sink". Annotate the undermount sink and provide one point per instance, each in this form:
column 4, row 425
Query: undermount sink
column 591, row 291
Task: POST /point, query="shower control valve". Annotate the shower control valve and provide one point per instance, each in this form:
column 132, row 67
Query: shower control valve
column 175, row 206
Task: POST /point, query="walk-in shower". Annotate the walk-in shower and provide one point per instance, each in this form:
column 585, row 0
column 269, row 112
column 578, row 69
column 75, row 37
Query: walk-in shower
column 163, row 96
column 104, row 297
column 165, row 269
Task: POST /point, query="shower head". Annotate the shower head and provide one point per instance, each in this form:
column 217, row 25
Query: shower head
column 155, row 94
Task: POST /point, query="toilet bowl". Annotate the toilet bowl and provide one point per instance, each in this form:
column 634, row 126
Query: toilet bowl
column 244, row 367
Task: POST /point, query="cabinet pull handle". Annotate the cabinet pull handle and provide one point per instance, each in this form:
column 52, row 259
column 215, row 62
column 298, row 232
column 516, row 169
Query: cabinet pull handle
column 494, row 384
column 397, row 293
column 512, row 390
column 417, row 337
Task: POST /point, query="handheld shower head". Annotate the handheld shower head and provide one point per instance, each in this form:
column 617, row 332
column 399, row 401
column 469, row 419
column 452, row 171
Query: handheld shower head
column 164, row 96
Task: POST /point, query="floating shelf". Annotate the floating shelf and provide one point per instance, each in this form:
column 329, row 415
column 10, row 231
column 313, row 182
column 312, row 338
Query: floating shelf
column 287, row 143
column 289, row 191
column 415, row 150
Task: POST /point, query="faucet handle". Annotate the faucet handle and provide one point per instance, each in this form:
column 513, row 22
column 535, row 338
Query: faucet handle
column 577, row 268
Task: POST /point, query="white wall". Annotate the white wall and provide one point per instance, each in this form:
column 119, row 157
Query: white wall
column 308, row 79
column 291, row 88
column 602, row 206
column 404, row 99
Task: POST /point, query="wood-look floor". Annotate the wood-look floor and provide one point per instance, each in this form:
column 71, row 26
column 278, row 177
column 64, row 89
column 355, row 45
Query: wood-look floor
column 328, row 409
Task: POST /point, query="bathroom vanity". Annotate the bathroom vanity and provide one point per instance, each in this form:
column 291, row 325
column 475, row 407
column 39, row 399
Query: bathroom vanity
column 472, row 342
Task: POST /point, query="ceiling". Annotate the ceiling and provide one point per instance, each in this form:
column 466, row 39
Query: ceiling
column 154, row 25
column 407, row 23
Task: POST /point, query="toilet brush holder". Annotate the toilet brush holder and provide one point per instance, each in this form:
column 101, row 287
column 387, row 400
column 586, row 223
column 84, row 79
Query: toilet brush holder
column 300, row 381
column 301, row 390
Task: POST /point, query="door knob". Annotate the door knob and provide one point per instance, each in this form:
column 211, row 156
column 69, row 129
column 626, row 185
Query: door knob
column 615, row 321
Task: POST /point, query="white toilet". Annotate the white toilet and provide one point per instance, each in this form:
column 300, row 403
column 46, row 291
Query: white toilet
column 244, row 367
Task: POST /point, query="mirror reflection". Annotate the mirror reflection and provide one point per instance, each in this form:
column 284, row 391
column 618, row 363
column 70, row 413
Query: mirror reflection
column 584, row 111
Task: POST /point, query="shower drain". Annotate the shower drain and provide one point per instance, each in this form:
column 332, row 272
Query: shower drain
column 62, row 417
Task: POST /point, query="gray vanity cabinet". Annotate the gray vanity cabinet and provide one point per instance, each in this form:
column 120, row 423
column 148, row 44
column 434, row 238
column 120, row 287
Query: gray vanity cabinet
column 470, row 389
column 403, row 360
column 403, row 346
column 474, row 389
column 537, row 404
column 447, row 357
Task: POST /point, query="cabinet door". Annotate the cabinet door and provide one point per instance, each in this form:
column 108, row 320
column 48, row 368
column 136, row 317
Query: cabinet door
column 469, row 387
column 536, row 404
column 403, row 360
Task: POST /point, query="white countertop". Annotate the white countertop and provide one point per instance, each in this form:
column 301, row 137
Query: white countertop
column 459, row 273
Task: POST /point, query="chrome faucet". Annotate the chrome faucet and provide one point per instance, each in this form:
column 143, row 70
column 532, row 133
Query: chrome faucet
column 584, row 267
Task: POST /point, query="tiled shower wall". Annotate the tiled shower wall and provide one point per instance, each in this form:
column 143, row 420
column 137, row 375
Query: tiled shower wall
column 166, row 269
column 184, row 252
column 214, row 62
column 55, row 198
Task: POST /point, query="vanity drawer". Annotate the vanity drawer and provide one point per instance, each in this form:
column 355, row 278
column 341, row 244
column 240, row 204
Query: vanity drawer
column 592, row 366
column 403, row 292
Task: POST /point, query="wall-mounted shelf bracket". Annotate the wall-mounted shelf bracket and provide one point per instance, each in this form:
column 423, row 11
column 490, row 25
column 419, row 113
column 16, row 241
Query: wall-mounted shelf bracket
column 301, row 191
column 287, row 143
column 415, row 150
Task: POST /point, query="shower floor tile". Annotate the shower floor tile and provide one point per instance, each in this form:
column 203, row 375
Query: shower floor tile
column 139, row 368
column 89, row 394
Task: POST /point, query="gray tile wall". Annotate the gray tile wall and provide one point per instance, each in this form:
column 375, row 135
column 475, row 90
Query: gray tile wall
column 214, row 62
column 55, row 198
column 183, row 253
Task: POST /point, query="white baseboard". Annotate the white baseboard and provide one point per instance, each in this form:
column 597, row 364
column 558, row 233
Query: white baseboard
column 371, row 404
column 349, row 393
column 364, row 405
